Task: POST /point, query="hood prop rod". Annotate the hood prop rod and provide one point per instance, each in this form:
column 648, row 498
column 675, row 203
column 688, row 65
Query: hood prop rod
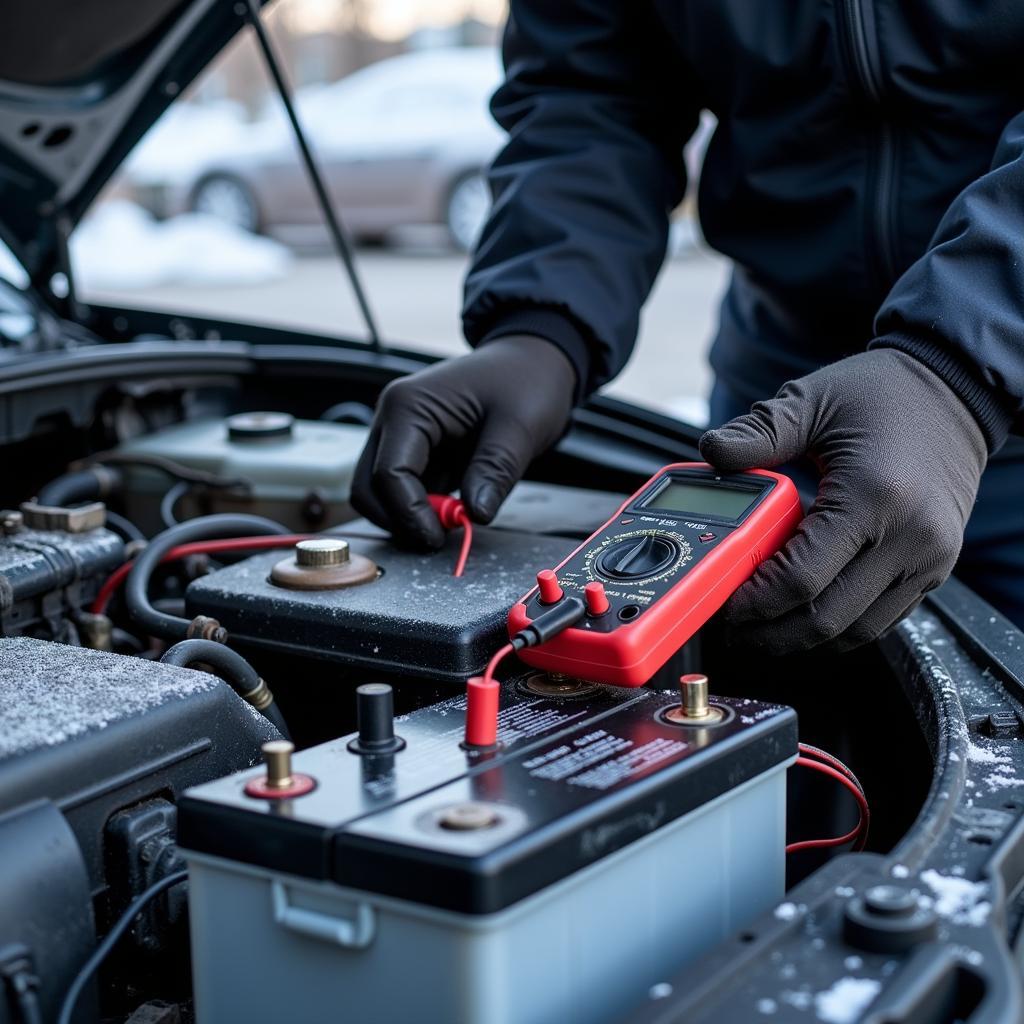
column 250, row 11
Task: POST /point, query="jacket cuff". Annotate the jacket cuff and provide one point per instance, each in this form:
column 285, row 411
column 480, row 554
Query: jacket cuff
column 963, row 380
column 549, row 324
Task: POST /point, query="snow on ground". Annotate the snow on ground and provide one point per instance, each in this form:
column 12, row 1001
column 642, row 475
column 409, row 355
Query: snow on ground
column 846, row 1000
column 122, row 246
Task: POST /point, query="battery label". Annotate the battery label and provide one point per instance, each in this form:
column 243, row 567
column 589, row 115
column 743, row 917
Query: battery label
column 590, row 761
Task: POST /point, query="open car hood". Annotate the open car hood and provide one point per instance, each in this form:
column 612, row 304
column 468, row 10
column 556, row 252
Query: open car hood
column 81, row 81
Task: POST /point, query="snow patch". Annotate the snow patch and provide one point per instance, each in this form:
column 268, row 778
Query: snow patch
column 787, row 911
column 846, row 1000
column 122, row 246
column 985, row 755
column 958, row 899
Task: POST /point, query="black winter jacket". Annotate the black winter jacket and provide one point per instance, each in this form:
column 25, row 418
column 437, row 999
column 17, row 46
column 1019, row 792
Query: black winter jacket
column 866, row 177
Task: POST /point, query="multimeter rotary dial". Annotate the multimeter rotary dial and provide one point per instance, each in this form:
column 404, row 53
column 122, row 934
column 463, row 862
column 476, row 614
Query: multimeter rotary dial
column 641, row 555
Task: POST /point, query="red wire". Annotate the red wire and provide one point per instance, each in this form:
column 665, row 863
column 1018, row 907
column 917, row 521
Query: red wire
column 817, row 844
column 823, row 755
column 467, row 543
column 845, row 777
column 199, row 547
column 502, row 652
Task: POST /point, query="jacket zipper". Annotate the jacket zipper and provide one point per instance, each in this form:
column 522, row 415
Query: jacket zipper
column 882, row 170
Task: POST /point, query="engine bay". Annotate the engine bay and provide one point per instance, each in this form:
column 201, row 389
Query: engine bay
column 225, row 688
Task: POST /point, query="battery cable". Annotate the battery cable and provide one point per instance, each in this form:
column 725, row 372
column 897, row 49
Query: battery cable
column 828, row 764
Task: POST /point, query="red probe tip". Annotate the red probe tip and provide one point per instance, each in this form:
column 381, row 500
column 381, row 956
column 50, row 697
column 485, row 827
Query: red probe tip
column 452, row 515
column 450, row 511
column 481, row 712
column 550, row 590
column 596, row 598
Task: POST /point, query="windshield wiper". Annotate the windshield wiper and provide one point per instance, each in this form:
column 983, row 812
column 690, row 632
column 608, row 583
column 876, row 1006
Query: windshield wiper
column 342, row 245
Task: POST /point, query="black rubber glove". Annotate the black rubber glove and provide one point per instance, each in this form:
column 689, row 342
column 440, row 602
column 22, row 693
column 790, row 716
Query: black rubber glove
column 475, row 422
column 901, row 457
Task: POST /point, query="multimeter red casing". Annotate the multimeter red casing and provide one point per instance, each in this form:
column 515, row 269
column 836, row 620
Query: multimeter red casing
column 652, row 615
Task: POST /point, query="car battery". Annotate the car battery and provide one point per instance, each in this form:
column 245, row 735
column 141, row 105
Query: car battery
column 298, row 472
column 408, row 617
column 556, row 877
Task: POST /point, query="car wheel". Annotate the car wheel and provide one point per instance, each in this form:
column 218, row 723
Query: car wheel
column 228, row 199
column 469, row 203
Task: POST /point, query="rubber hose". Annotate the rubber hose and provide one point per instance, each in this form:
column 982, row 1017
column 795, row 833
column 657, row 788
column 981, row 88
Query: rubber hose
column 273, row 713
column 228, row 664
column 81, row 485
column 136, row 588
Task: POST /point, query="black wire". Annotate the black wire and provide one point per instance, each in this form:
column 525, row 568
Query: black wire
column 102, row 951
column 28, row 1006
column 170, row 499
column 337, row 232
column 23, row 985
column 348, row 412
column 124, row 526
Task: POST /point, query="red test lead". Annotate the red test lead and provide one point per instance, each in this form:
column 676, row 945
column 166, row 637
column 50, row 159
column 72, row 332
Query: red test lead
column 453, row 516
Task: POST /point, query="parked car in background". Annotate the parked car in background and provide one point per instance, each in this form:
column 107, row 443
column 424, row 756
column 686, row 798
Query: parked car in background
column 401, row 142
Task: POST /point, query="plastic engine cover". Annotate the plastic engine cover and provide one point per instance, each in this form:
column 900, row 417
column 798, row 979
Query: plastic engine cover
column 95, row 733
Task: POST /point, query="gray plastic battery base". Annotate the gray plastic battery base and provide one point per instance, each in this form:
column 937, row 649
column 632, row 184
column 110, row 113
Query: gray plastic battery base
column 271, row 947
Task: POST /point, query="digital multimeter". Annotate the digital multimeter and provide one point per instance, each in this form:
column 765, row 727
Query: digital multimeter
column 659, row 569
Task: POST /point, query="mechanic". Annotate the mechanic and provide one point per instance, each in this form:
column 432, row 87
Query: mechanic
column 866, row 177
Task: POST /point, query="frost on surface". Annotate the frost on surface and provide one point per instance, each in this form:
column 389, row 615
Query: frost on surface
column 958, row 899
column 50, row 692
column 846, row 1000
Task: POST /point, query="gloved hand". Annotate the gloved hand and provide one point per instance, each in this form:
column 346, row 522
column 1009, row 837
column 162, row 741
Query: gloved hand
column 474, row 422
column 901, row 457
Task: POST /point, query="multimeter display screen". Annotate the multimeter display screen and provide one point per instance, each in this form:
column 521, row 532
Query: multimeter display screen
column 697, row 500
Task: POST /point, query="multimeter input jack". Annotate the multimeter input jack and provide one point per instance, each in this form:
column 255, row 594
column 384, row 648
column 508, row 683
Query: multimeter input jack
column 629, row 612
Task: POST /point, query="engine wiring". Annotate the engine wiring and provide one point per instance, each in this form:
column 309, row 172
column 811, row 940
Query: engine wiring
column 198, row 547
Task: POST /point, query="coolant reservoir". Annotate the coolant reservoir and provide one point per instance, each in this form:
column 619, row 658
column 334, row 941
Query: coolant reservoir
column 298, row 472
